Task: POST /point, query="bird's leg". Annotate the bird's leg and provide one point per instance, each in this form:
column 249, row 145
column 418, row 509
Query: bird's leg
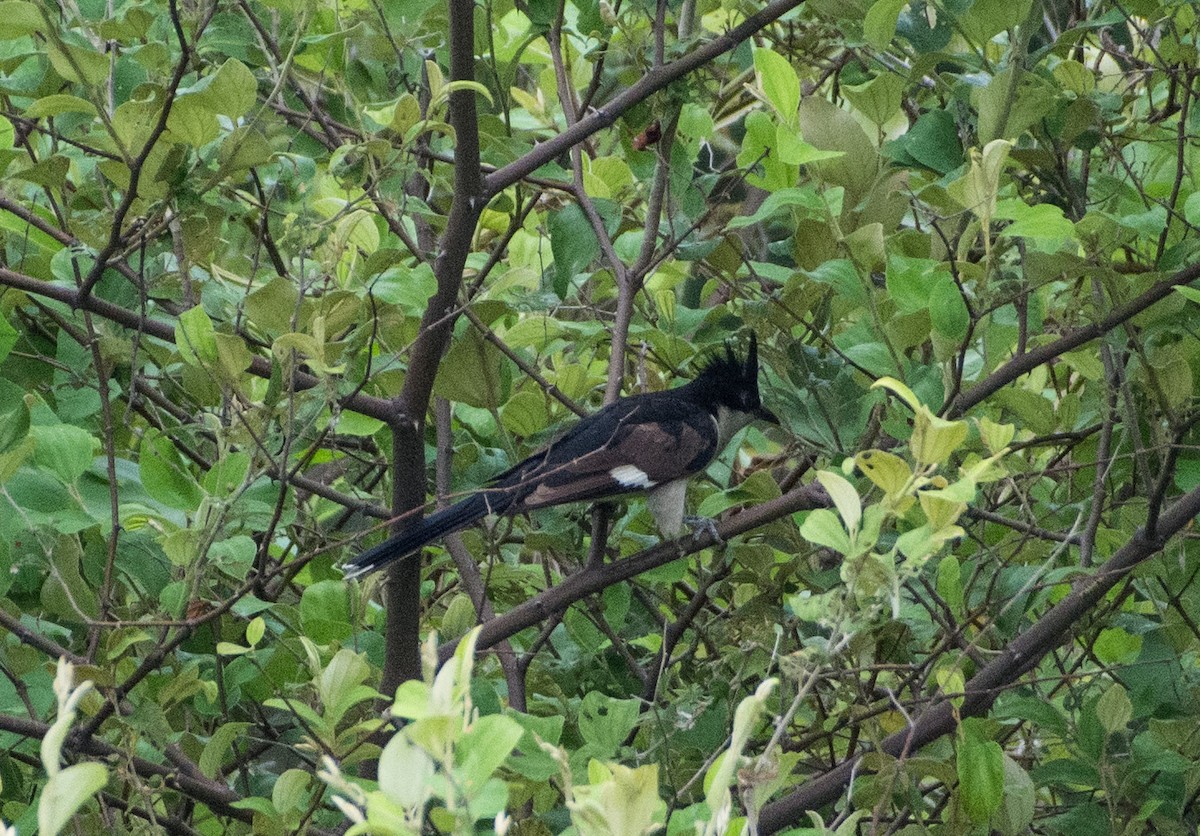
column 701, row 525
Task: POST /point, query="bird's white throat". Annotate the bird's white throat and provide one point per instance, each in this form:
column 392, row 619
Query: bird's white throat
column 729, row 421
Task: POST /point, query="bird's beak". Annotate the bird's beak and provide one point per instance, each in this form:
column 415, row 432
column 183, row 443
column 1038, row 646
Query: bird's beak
column 764, row 414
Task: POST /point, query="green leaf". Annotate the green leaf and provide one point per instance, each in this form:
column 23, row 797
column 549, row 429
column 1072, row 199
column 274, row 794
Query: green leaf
column 471, row 372
column 195, row 338
column 259, row 805
column 191, row 121
column 213, row 754
column 1189, row 293
column 1191, row 210
column 166, row 478
column 65, row 450
column 947, row 309
column 1115, row 646
column 573, row 243
column 531, row 760
column 605, row 722
column 878, row 99
column 822, row 527
column 980, row 766
column 806, row 202
column 58, row 103
column 482, row 750
column 879, row 26
column 1114, row 708
column 410, row 288
column 14, row 414
column 934, row 142
column 525, row 414
column 987, row 18
column 51, row 171
column 233, row 357
column 1042, row 221
column 779, row 83
column 1018, row 806
column 232, row 91
column 18, row 19
column 273, row 306
column 949, row 583
column 245, row 147
column 227, row 474
column 325, row 611
column 78, row 64
column 66, row 792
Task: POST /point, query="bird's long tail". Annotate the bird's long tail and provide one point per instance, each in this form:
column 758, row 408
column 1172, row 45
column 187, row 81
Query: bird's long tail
column 427, row 530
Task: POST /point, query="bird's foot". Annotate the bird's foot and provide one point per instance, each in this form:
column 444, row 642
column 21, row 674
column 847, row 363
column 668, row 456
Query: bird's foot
column 701, row 525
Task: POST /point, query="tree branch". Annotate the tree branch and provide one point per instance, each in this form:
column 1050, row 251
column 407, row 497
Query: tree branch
column 1021, row 655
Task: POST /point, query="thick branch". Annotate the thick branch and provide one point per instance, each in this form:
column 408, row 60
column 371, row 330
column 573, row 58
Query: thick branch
column 218, row 797
column 651, row 83
column 1021, row 655
column 377, row 408
column 408, row 494
column 592, row 580
column 1030, row 360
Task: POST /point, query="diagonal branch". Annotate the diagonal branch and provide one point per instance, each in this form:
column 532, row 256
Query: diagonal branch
column 377, row 408
column 1030, row 360
column 1021, row 655
column 592, row 580
column 650, row 83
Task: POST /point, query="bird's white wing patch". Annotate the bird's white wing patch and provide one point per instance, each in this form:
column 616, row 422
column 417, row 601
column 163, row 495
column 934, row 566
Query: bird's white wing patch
column 629, row 476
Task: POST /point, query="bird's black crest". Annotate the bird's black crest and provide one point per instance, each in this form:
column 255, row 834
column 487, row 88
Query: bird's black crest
column 729, row 368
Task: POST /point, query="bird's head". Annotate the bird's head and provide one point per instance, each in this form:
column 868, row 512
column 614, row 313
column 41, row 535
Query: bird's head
column 728, row 385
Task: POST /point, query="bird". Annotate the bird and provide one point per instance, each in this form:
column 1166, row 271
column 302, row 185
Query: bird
column 646, row 443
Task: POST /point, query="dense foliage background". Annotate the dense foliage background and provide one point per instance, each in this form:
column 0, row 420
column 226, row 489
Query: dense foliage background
column 275, row 272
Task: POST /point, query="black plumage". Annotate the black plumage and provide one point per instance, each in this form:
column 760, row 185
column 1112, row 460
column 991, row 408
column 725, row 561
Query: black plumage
column 649, row 442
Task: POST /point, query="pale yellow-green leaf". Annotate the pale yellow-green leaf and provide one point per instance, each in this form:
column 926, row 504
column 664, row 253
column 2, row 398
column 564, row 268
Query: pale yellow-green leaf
column 1114, row 708
column 822, row 527
column 939, row 511
column 58, row 103
column 996, row 437
column 934, row 439
column 255, row 630
column 905, row 394
column 721, row 775
column 951, row 682
column 622, row 800
column 779, row 83
column 405, row 773
column 66, row 792
column 345, row 672
column 887, row 470
column 291, row 791
column 845, row 498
